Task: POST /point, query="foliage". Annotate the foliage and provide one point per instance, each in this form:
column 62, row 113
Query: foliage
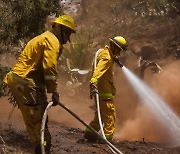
column 3, row 72
column 161, row 8
column 19, row 18
column 77, row 52
column 135, row 20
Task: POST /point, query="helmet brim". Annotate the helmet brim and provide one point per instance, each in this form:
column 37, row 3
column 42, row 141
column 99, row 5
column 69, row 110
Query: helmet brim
column 52, row 23
column 124, row 47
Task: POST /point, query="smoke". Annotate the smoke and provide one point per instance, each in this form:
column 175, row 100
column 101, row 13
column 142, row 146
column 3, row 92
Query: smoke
column 143, row 127
column 16, row 119
column 168, row 85
column 135, row 121
column 78, row 105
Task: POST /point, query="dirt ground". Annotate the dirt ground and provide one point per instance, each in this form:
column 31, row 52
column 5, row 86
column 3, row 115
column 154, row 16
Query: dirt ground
column 67, row 134
column 70, row 140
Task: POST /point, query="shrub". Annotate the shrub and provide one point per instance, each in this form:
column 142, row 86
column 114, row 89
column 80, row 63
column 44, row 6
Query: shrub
column 21, row 18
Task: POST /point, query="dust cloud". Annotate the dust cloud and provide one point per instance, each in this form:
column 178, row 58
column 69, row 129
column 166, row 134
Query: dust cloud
column 78, row 105
column 10, row 115
column 168, row 85
column 135, row 121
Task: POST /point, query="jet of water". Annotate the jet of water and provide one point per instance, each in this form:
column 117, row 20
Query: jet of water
column 157, row 105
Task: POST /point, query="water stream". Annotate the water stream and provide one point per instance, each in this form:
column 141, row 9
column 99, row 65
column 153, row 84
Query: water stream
column 156, row 105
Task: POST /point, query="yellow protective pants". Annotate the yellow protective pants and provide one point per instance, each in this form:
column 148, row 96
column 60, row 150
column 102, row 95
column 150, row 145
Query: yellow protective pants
column 32, row 115
column 108, row 116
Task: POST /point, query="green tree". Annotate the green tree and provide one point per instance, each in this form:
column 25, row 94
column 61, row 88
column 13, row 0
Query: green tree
column 19, row 18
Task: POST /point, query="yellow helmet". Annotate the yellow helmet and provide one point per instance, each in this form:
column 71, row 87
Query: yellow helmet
column 120, row 42
column 65, row 20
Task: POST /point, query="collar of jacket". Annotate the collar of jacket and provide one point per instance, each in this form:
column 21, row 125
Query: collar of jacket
column 61, row 47
column 108, row 48
column 58, row 37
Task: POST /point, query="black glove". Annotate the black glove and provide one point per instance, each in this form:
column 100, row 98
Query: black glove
column 93, row 90
column 55, row 98
column 117, row 60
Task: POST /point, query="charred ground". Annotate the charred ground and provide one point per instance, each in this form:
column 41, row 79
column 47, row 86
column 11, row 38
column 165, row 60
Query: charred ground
column 70, row 140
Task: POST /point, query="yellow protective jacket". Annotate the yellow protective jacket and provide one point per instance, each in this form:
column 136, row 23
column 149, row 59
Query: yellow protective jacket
column 103, row 74
column 38, row 61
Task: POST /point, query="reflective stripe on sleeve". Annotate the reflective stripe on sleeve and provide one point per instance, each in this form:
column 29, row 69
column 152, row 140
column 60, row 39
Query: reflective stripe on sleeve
column 50, row 77
column 45, row 143
column 108, row 95
column 25, row 81
column 93, row 80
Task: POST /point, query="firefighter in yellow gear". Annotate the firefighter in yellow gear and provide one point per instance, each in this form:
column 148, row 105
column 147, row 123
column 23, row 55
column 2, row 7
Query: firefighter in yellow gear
column 35, row 73
column 102, row 83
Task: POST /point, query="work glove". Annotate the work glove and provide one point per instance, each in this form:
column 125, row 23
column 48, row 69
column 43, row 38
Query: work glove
column 93, row 90
column 118, row 62
column 55, row 98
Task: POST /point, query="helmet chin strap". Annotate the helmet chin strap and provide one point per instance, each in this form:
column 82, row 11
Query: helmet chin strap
column 62, row 35
column 116, row 51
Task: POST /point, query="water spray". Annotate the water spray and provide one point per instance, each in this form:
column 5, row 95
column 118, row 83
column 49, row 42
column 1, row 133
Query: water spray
column 157, row 105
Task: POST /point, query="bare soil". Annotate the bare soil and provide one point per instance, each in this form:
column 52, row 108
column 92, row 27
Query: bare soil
column 67, row 134
column 70, row 140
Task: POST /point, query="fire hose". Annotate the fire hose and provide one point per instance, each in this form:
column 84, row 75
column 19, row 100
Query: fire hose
column 101, row 128
column 113, row 149
column 98, row 109
column 74, row 115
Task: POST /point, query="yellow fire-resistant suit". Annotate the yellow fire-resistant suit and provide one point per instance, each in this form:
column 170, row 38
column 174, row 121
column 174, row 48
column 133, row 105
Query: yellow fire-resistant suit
column 35, row 71
column 103, row 78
